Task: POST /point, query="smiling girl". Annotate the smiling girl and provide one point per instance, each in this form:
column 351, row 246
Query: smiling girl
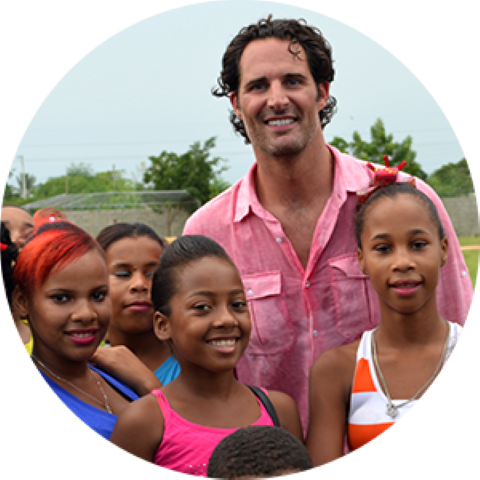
column 361, row 389
column 201, row 310
column 133, row 253
column 62, row 289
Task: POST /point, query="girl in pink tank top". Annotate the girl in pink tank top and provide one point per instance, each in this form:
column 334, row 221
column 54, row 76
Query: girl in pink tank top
column 201, row 312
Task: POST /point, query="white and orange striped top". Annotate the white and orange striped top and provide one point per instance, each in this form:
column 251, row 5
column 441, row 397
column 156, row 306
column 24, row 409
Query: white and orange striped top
column 368, row 416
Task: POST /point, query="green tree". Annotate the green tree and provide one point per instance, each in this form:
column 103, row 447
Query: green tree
column 10, row 195
column 452, row 180
column 30, row 185
column 217, row 186
column 381, row 144
column 82, row 179
column 194, row 171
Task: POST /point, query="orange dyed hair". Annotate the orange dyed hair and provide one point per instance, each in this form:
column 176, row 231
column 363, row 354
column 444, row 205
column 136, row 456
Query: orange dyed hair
column 51, row 246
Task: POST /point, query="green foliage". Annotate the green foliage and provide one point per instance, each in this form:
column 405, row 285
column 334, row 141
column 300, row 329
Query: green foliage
column 217, row 186
column 381, row 144
column 30, row 185
column 194, row 171
column 9, row 194
column 82, row 179
column 452, row 180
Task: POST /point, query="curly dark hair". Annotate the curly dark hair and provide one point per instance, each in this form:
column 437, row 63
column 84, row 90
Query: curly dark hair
column 258, row 452
column 316, row 47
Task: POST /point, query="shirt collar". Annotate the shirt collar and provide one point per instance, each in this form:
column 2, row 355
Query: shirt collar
column 351, row 175
column 247, row 197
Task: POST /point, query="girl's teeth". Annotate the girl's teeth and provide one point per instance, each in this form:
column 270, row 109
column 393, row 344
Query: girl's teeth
column 223, row 343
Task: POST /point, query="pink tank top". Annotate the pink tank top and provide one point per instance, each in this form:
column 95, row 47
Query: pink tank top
column 186, row 447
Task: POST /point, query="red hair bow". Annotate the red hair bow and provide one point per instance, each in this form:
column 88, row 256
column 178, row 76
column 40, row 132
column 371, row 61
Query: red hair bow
column 3, row 247
column 383, row 176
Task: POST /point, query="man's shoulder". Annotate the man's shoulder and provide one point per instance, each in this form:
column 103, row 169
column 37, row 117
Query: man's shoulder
column 216, row 212
column 357, row 169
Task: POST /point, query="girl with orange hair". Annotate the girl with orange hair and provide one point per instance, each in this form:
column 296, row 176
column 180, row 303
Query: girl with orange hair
column 62, row 289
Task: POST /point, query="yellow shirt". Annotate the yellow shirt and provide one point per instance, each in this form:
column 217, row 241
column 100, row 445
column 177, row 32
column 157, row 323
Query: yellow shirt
column 29, row 345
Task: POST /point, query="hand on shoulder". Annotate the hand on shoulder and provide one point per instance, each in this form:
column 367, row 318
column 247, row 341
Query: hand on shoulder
column 124, row 365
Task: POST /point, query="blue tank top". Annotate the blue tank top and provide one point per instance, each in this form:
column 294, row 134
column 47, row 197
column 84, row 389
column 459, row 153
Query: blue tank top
column 99, row 420
column 168, row 370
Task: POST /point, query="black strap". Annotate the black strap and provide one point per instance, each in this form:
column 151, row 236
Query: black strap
column 266, row 403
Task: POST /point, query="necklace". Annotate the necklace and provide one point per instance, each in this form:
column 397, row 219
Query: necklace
column 392, row 410
column 104, row 404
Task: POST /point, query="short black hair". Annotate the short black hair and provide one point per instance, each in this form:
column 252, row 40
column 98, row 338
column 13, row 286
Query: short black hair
column 391, row 191
column 258, row 451
column 117, row 231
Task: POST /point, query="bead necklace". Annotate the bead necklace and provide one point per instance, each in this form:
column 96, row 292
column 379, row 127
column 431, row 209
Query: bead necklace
column 104, row 404
column 392, row 410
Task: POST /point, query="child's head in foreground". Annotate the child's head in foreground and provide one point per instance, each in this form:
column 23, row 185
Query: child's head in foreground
column 258, row 452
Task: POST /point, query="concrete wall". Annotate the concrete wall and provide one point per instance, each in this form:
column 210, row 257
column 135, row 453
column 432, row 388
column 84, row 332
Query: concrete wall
column 95, row 220
column 463, row 212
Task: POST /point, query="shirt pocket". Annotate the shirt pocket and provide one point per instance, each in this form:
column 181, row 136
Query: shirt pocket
column 272, row 330
column 354, row 298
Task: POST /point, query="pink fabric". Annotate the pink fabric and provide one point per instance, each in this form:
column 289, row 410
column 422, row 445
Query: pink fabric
column 186, row 447
column 299, row 313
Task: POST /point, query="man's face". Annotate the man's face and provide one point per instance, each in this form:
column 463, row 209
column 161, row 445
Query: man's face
column 277, row 99
column 19, row 223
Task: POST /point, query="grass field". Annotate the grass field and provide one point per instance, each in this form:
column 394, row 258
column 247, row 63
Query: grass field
column 471, row 256
column 466, row 241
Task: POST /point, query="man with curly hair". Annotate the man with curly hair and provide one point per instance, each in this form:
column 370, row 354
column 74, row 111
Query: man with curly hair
column 288, row 224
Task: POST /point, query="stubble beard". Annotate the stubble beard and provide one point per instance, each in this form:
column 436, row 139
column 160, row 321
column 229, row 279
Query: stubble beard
column 287, row 149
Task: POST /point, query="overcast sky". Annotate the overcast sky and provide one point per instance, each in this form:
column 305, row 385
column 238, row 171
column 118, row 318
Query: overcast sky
column 147, row 89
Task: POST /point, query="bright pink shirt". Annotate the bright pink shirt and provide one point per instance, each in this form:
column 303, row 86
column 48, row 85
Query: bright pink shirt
column 186, row 447
column 299, row 313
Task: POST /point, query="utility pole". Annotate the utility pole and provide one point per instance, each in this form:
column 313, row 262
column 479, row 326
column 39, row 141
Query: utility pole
column 114, row 177
column 24, row 183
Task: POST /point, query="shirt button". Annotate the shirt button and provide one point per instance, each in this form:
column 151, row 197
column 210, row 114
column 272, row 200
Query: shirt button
column 279, row 240
column 250, row 292
column 315, row 333
column 307, row 283
column 464, row 274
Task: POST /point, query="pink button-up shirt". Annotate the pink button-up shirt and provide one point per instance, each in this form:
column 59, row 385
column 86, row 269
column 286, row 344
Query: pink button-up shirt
column 299, row 313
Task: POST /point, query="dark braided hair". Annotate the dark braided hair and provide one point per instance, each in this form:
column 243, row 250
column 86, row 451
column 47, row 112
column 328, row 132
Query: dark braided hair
column 8, row 257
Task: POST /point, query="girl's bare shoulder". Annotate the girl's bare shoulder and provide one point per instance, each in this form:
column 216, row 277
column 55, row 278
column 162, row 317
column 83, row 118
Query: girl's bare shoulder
column 338, row 362
column 139, row 428
column 141, row 412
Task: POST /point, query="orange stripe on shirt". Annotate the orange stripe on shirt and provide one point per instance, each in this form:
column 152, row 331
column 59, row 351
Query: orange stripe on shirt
column 363, row 379
column 359, row 435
